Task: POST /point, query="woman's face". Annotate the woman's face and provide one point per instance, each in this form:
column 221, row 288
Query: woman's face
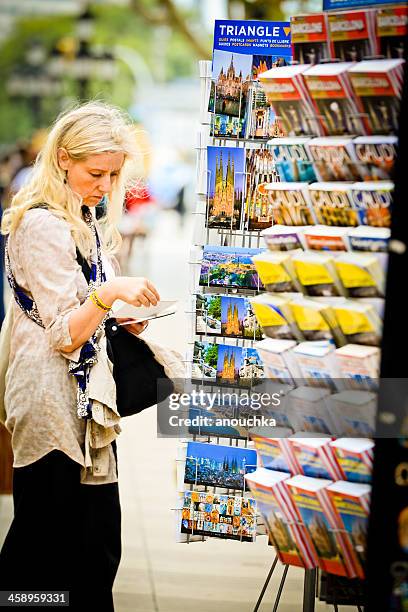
column 93, row 177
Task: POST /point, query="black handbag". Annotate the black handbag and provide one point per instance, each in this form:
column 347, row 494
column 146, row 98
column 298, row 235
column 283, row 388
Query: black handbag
column 140, row 379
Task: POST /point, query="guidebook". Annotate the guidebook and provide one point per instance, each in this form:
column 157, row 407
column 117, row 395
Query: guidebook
column 351, row 502
column 292, row 159
column 377, row 87
column 322, row 523
column 278, row 511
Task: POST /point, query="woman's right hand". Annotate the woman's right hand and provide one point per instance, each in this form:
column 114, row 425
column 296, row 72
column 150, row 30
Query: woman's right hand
column 135, row 290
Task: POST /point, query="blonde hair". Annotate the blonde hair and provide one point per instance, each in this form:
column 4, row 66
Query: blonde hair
column 86, row 130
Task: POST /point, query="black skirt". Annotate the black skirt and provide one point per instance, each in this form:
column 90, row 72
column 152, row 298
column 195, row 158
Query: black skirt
column 65, row 536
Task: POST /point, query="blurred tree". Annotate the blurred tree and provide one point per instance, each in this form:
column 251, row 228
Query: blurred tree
column 259, row 9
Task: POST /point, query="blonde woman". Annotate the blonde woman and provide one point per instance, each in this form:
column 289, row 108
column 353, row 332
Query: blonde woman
column 65, row 535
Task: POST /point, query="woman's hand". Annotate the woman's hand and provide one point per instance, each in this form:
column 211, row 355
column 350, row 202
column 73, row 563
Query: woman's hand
column 134, row 328
column 137, row 291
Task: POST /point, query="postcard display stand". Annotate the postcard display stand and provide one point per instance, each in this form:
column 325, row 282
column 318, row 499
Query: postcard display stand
column 288, row 267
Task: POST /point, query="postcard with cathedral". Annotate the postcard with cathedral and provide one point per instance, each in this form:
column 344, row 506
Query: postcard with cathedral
column 223, row 315
column 238, row 366
column 242, row 51
column 260, row 171
column 215, row 465
column 226, row 176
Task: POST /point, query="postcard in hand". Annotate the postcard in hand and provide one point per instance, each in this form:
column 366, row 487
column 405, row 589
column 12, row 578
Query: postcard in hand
column 215, row 465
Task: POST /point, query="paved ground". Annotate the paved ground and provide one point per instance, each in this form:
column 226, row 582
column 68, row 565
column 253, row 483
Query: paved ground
column 157, row 574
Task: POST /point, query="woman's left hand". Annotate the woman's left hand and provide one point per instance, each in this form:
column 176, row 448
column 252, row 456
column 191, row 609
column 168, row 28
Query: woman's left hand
column 134, row 328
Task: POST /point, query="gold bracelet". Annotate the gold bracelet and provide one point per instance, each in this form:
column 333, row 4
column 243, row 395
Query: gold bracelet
column 98, row 302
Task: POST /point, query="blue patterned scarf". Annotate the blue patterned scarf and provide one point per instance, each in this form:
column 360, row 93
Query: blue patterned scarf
column 89, row 352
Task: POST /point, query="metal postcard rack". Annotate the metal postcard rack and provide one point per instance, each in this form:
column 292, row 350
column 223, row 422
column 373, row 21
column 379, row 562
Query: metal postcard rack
column 238, row 238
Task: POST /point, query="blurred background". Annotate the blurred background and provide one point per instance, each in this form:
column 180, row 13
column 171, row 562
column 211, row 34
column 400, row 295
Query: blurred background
column 142, row 56
column 138, row 54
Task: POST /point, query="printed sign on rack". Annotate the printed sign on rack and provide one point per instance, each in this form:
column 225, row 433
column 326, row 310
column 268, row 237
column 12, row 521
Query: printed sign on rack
column 336, row 5
column 242, row 51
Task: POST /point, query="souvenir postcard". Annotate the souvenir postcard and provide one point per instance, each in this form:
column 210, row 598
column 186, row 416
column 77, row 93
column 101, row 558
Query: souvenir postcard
column 215, row 465
column 239, row 366
column 392, row 30
column 352, row 35
column 242, row 51
column 229, row 267
column 226, row 126
column 227, row 316
column 292, row 160
column 231, row 72
column 222, row 516
column 375, row 156
column 208, row 315
column 262, row 122
column 238, row 319
column 377, row 85
column 205, row 357
column 226, row 179
column 260, row 171
column 201, row 425
column 309, row 38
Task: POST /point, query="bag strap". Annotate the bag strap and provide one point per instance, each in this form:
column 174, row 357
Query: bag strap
column 86, row 268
